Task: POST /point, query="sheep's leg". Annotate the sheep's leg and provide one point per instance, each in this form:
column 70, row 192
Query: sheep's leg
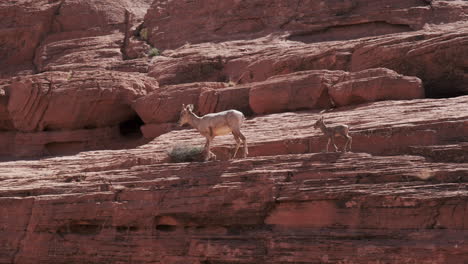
column 207, row 143
column 246, row 150
column 238, row 141
column 240, row 136
column 207, row 151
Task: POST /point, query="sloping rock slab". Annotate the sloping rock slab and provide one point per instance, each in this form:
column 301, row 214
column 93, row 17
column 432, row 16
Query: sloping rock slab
column 272, row 206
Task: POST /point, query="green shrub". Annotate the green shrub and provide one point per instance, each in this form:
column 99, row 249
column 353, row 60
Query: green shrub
column 186, row 154
column 153, row 52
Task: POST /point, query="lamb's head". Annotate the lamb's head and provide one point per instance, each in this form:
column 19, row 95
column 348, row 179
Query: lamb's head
column 318, row 123
column 185, row 114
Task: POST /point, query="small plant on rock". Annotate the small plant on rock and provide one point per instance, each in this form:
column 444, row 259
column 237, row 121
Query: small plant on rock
column 181, row 153
column 153, row 52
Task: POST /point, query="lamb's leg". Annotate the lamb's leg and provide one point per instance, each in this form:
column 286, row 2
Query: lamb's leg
column 328, row 143
column 333, row 142
column 349, row 139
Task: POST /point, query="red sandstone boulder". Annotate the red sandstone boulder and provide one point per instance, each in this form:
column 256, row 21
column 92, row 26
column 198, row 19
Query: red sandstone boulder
column 323, row 89
column 73, row 100
column 438, row 58
column 164, row 105
column 23, row 25
column 301, row 90
column 375, row 85
column 216, row 100
column 79, row 51
column 136, row 48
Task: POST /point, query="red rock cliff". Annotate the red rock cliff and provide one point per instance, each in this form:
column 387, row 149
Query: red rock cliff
column 90, row 92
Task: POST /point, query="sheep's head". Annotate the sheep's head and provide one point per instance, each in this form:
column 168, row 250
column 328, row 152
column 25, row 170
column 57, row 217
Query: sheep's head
column 318, row 123
column 185, row 114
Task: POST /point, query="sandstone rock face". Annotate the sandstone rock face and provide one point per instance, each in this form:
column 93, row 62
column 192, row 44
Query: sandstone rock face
column 66, row 35
column 73, row 100
column 323, row 89
column 375, row 85
column 68, row 142
column 70, row 51
column 311, row 20
column 90, row 92
column 195, row 68
column 24, row 24
column 91, row 34
column 289, row 92
column 435, row 56
column 112, row 206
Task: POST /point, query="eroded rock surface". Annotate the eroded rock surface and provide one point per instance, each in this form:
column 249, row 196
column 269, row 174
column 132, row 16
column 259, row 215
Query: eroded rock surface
column 282, row 208
column 90, row 92
column 73, row 100
column 435, row 56
column 23, row 26
column 310, row 20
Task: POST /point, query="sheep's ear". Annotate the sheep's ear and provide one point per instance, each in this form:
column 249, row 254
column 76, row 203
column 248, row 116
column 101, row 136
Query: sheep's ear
column 190, row 107
column 183, row 106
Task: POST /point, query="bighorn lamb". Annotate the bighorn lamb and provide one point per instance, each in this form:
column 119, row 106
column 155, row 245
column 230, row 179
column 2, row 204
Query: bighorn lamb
column 334, row 130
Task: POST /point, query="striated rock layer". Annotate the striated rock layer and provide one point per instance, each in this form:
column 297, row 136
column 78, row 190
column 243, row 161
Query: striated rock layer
column 436, row 56
column 90, row 92
column 311, row 20
column 283, row 204
column 282, row 209
column 73, row 100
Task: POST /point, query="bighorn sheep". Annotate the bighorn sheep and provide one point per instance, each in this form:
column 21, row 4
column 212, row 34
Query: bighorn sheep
column 215, row 124
column 334, row 130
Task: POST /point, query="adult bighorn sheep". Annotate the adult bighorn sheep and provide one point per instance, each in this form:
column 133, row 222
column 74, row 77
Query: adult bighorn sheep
column 334, row 130
column 215, row 124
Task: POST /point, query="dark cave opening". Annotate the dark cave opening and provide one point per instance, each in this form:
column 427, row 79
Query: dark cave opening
column 445, row 89
column 349, row 32
column 166, row 228
column 130, row 128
